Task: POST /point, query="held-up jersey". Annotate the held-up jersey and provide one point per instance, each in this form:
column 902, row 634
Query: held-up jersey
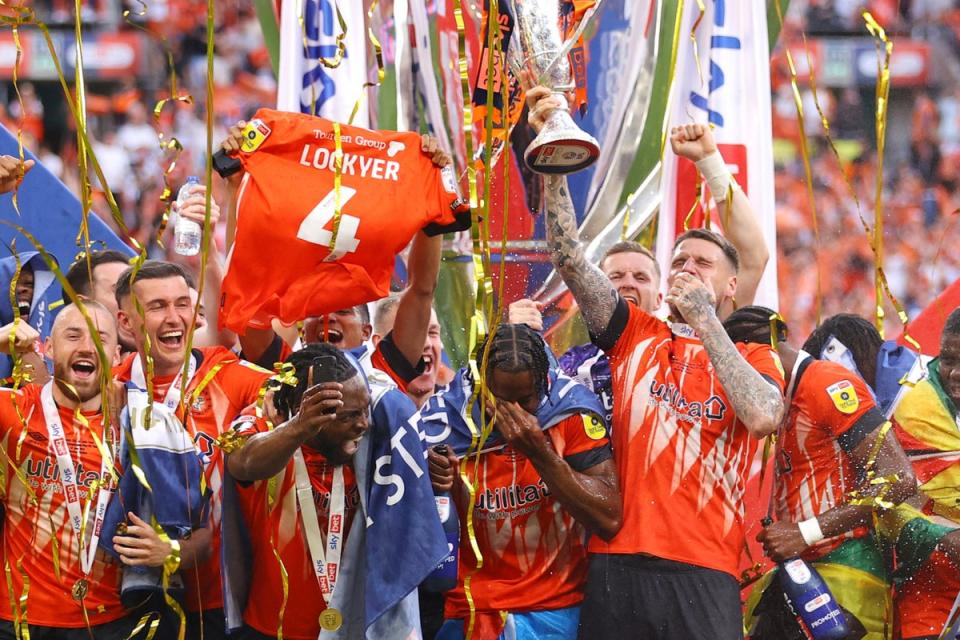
column 281, row 264
column 681, row 453
column 32, row 532
column 534, row 556
column 235, row 385
column 278, row 525
column 831, row 411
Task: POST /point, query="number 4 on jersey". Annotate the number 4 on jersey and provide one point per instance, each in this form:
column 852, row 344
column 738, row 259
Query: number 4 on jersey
column 313, row 228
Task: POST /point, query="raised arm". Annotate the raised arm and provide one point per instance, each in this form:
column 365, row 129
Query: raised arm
column 740, row 223
column 590, row 287
column 266, row 454
column 413, row 310
column 592, row 290
column 209, row 336
column 757, row 402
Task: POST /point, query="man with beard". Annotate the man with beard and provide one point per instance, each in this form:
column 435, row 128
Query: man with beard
column 689, row 408
column 217, row 388
column 61, row 588
column 300, row 492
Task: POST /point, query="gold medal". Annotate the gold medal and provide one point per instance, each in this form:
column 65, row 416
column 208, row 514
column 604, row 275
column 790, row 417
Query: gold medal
column 331, row 619
column 122, row 529
column 80, row 588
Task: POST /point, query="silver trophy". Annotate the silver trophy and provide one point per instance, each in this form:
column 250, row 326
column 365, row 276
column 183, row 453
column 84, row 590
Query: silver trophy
column 561, row 146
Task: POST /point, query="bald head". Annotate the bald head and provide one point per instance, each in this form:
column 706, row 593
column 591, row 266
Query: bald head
column 73, row 348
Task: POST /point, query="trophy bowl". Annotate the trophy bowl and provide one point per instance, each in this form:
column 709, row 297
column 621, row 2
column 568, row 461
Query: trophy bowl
column 561, row 147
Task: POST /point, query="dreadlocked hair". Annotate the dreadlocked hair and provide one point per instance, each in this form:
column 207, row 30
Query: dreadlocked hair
column 287, row 398
column 755, row 324
column 856, row 333
column 516, row 348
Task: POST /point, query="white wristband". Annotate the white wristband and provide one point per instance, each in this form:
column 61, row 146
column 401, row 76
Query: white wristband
column 717, row 176
column 810, row 531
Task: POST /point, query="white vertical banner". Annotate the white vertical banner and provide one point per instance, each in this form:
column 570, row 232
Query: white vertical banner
column 309, row 30
column 731, row 91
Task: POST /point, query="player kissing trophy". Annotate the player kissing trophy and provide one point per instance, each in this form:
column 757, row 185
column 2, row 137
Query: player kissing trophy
column 561, row 146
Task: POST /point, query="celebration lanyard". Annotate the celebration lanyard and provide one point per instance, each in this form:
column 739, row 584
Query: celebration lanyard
column 172, row 398
column 68, row 480
column 326, row 562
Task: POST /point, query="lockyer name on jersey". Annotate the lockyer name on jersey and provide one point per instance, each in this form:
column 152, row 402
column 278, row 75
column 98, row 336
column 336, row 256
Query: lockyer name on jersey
column 323, row 158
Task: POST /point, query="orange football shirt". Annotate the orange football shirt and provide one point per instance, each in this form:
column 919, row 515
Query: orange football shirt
column 32, row 532
column 830, row 412
column 534, row 552
column 235, row 386
column 281, row 264
column 278, row 525
column 681, row 454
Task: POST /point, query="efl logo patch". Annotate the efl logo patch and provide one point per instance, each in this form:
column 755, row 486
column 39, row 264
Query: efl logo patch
column 593, row 427
column 844, row 396
column 254, row 135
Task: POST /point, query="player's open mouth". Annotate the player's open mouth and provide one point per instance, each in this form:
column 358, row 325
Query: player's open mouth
column 332, row 336
column 83, row 369
column 171, row 338
column 631, row 298
column 427, row 363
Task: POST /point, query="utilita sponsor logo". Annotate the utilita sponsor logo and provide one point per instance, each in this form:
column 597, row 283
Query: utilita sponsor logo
column 827, row 618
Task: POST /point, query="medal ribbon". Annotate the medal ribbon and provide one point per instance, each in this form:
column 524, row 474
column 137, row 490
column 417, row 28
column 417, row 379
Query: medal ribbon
column 68, row 480
column 326, row 560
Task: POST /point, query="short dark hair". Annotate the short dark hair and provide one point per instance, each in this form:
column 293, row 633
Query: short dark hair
column 755, row 324
column 857, row 334
column 515, row 348
column 729, row 251
column 150, row 270
column 80, row 277
column 287, row 398
column 629, row 246
column 952, row 326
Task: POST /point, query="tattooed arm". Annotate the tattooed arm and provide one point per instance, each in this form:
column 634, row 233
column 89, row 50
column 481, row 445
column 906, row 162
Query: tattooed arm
column 757, row 403
column 592, row 290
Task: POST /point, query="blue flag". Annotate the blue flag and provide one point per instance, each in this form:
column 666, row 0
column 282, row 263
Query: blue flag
column 49, row 212
column 444, row 418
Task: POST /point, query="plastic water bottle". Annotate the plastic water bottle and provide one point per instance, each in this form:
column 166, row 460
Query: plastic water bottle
column 187, row 234
column 444, row 576
column 810, row 600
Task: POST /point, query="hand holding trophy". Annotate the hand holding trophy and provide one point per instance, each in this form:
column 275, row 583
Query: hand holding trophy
column 561, row 146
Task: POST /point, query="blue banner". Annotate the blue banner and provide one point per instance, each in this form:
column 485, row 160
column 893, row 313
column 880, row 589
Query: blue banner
column 48, row 211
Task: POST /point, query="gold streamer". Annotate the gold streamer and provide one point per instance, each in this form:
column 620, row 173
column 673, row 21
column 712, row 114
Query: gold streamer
column 23, row 628
column 693, row 39
column 329, row 63
column 665, row 125
column 871, row 479
column 378, row 55
column 883, row 94
column 285, row 585
column 153, row 619
column 807, row 169
column 337, row 177
column 173, row 144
